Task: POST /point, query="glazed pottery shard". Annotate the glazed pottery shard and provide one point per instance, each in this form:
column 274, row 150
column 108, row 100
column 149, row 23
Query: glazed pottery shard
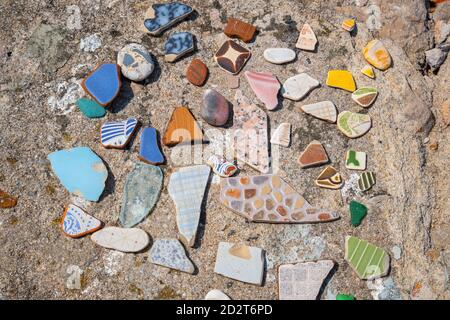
column 77, row 223
column 7, row 201
column 266, row 86
column 248, row 268
column 279, row 55
column 171, row 254
column 182, row 128
column 149, row 150
column 249, row 137
column 135, row 62
column 357, row 212
column 80, row 171
column 377, row 55
column 118, row 134
column 178, row 45
column 216, row 295
column 368, row 71
column 367, row 260
column 282, row 135
column 103, row 84
column 122, row 239
column 341, row 79
column 90, row 108
column 353, row 125
column 302, row 281
column 221, row 166
column 342, row 296
column 161, row 16
column 355, row 160
column 187, row 189
column 240, row 29
column 197, row 72
column 232, row 57
column 365, row 96
column 141, row 192
column 324, row 110
column 313, row 155
column 329, row 178
column 268, row 198
column 307, row 39
column 366, row 181
column 349, row 25
column 215, row 109
column 296, row 87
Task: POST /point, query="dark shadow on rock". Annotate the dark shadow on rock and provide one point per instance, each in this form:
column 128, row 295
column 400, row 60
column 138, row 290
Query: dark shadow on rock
column 229, row 122
column 202, row 221
column 123, row 99
column 354, row 32
column 155, row 75
column 110, row 184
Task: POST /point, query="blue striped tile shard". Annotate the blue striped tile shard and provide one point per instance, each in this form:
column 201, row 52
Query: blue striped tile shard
column 178, row 45
column 118, row 134
column 149, row 150
column 103, row 84
column 162, row 16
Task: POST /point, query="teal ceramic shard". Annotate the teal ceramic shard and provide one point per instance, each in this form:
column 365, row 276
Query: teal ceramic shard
column 80, row 171
column 90, row 108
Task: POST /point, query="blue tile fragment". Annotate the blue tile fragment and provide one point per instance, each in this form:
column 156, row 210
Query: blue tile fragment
column 103, row 84
column 165, row 15
column 177, row 45
column 149, row 150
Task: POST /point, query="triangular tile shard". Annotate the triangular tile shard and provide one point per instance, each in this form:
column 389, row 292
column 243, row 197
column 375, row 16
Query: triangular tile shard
column 307, row 39
column 161, row 16
column 367, row 260
column 313, row 155
column 329, row 178
column 265, row 86
column 77, row 223
column 365, row 96
column 187, row 189
column 268, row 198
column 302, row 281
column 324, row 110
column 103, row 84
column 170, row 253
column 282, row 135
column 182, row 128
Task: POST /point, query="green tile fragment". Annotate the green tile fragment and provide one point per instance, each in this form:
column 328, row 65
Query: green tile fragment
column 90, row 108
column 357, row 212
column 343, row 296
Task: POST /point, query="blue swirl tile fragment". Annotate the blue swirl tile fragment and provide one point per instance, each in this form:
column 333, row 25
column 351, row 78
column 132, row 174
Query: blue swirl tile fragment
column 162, row 16
column 178, row 45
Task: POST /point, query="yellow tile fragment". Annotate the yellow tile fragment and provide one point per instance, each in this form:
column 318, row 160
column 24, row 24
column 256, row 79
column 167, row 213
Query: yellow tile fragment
column 348, row 24
column 368, row 71
column 341, row 79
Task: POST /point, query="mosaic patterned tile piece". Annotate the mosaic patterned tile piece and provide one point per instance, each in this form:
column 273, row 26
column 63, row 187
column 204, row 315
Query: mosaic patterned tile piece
column 232, row 57
column 222, row 167
column 268, row 198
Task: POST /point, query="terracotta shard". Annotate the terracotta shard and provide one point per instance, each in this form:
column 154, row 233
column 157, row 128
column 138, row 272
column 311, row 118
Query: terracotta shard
column 307, row 39
column 266, row 86
column 329, row 178
column 7, row 201
column 313, row 155
column 197, row 72
column 268, row 198
column 240, row 29
column 232, row 57
column 182, row 128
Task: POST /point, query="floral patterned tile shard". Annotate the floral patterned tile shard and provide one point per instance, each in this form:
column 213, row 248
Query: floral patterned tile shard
column 307, row 39
column 365, row 96
column 161, row 16
column 170, row 253
column 141, row 192
column 354, row 125
column 367, row 260
column 313, row 155
column 103, row 84
column 77, row 223
column 117, row 135
column 302, row 281
column 266, row 86
column 282, row 135
column 222, row 167
column 239, row 29
column 232, row 57
column 329, row 178
column 366, row 180
column 240, row 262
column 324, row 110
column 216, row 295
column 182, row 128
column 178, row 45
column 249, row 137
column 268, row 198
column 80, row 171
column 122, row 239
column 187, row 189
column 355, row 160
column 296, row 87
column 149, row 150
column 7, row 201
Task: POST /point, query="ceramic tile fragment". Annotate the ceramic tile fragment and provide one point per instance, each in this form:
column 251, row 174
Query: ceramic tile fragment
column 355, row 160
column 77, row 223
column 103, row 84
column 135, row 62
column 329, row 178
column 178, row 45
column 171, row 254
column 367, row 260
column 149, row 150
column 357, row 212
column 268, row 198
column 117, row 135
column 90, row 108
column 222, row 167
column 7, row 201
column 239, row 29
column 342, row 296
column 266, row 86
column 341, row 79
column 377, row 55
column 365, row 96
column 197, row 72
column 187, row 189
column 279, row 55
column 297, row 87
column 349, row 24
column 240, row 262
column 80, row 171
column 122, row 239
column 282, row 135
column 141, row 192
column 216, row 295
column 366, row 180
column 354, row 125
column 232, row 57
column 302, row 281
column 324, row 110
column 161, row 16
column 307, row 39
column 368, row 71
column 182, row 128
column 215, row 109
column 313, row 155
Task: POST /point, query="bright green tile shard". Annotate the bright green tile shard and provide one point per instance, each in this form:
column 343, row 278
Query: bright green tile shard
column 357, row 212
column 342, row 296
column 90, row 108
column 366, row 259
